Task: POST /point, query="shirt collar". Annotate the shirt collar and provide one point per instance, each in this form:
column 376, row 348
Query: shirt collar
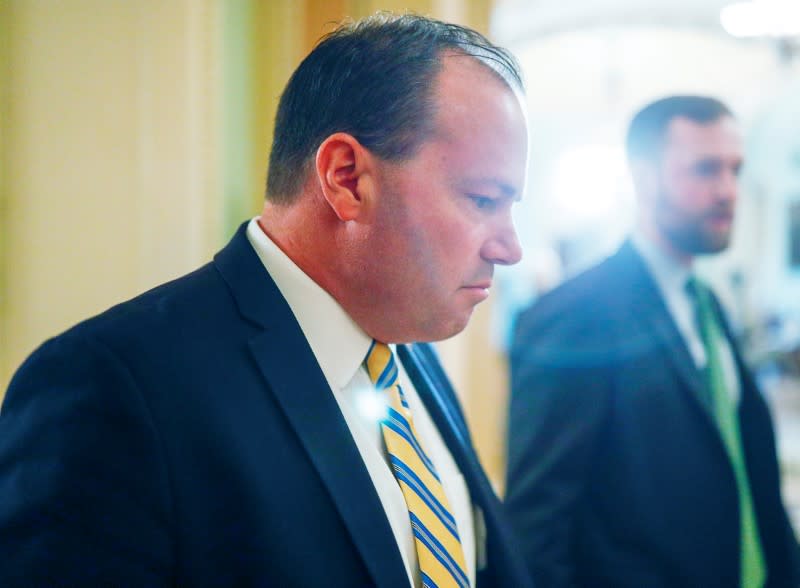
column 669, row 274
column 338, row 343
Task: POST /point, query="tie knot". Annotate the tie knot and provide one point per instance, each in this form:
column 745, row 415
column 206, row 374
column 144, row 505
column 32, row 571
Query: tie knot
column 381, row 365
column 701, row 299
column 692, row 285
column 695, row 289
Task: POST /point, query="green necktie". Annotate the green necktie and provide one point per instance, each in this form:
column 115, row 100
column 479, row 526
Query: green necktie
column 753, row 568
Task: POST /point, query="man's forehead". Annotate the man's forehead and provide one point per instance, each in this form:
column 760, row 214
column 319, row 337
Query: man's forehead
column 489, row 63
column 465, row 86
column 458, row 68
column 720, row 137
column 684, row 129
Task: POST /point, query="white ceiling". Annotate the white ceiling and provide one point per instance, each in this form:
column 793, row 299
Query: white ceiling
column 519, row 20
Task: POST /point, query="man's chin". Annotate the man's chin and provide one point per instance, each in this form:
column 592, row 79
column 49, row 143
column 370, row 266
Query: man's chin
column 705, row 244
column 445, row 329
column 715, row 244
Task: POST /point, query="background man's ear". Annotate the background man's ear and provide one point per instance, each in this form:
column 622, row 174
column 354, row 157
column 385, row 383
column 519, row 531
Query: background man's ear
column 343, row 168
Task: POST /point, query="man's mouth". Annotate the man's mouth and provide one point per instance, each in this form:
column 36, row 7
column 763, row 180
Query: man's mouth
column 480, row 285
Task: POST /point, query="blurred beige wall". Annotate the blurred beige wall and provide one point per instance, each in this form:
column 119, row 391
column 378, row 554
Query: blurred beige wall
column 134, row 134
column 109, row 174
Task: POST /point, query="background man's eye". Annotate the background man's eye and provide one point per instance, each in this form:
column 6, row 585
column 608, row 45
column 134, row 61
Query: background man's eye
column 482, row 201
column 707, row 169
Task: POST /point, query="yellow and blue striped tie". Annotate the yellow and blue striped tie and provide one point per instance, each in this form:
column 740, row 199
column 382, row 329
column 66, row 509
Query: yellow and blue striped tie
column 441, row 557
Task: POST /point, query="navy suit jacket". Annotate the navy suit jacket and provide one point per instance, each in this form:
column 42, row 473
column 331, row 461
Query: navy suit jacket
column 617, row 474
column 188, row 438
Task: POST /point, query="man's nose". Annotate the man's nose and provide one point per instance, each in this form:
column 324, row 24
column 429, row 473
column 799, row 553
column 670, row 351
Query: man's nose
column 503, row 247
column 728, row 185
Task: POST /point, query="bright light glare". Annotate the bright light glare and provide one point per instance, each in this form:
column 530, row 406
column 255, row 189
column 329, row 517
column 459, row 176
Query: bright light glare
column 762, row 18
column 590, row 185
column 371, row 404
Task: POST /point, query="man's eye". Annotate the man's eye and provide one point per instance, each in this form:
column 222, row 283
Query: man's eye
column 707, row 169
column 483, row 202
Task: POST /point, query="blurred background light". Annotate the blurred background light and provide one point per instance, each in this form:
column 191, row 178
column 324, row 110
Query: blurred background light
column 590, row 185
column 762, row 18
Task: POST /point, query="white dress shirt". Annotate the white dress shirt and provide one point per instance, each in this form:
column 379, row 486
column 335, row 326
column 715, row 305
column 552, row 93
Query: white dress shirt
column 340, row 347
column 671, row 277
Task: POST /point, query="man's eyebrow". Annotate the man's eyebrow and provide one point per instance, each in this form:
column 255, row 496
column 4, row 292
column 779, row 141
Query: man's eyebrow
column 506, row 190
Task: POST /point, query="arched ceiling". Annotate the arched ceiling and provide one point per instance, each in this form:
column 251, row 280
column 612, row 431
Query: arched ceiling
column 519, row 20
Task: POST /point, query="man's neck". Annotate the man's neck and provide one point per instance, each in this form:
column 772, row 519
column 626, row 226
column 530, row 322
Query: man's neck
column 297, row 232
column 663, row 244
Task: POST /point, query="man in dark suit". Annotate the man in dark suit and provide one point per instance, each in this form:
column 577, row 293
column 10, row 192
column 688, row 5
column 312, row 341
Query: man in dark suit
column 223, row 429
column 641, row 453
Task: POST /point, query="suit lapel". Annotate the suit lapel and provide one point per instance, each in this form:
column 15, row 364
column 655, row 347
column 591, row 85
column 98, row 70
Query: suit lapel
column 650, row 310
column 495, row 563
column 747, row 385
column 435, row 391
column 447, row 418
column 289, row 367
column 298, row 384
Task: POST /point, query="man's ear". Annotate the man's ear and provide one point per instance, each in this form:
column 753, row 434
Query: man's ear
column 344, row 171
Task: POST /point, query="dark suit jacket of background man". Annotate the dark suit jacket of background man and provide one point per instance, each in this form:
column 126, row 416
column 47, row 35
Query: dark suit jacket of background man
column 617, row 474
column 188, row 437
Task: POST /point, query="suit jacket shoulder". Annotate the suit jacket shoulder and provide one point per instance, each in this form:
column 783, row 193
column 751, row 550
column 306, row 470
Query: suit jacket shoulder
column 575, row 323
column 189, row 437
